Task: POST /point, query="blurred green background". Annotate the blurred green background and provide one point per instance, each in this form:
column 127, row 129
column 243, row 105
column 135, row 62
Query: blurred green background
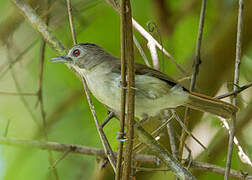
column 67, row 112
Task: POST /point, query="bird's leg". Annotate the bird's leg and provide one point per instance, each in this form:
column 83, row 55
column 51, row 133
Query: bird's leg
column 107, row 147
column 112, row 114
column 108, row 118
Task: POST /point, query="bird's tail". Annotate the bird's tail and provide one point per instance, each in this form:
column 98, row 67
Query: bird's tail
column 211, row 105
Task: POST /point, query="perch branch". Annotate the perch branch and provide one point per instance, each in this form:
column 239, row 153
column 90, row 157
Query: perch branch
column 196, row 64
column 235, row 92
column 127, row 39
column 69, row 9
column 123, row 94
column 103, row 138
column 236, row 81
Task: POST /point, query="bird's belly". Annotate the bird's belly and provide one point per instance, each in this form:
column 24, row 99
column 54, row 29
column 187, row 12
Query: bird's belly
column 107, row 89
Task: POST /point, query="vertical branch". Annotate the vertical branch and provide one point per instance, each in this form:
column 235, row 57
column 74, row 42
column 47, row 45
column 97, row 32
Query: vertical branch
column 236, row 82
column 103, row 138
column 123, row 92
column 69, row 9
column 39, row 92
column 40, row 80
column 196, row 64
column 41, row 105
column 127, row 38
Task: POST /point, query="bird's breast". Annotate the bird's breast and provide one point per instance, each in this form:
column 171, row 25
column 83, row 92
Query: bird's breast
column 105, row 87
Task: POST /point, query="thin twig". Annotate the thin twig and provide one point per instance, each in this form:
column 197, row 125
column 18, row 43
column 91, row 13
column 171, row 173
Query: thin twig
column 154, row 55
column 127, row 39
column 123, row 94
column 141, row 51
column 40, row 85
column 236, row 81
column 196, row 65
column 41, row 104
column 152, row 27
column 6, row 129
column 69, row 9
column 40, row 76
column 40, row 89
column 219, row 170
column 61, row 158
column 103, row 138
column 235, row 92
column 186, row 129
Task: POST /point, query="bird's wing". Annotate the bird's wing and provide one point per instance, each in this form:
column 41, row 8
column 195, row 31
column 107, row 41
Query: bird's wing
column 150, row 82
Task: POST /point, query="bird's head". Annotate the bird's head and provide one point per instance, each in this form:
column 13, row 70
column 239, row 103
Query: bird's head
column 83, row 56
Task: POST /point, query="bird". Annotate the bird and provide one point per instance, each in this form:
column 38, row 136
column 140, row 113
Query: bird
column 154, row 91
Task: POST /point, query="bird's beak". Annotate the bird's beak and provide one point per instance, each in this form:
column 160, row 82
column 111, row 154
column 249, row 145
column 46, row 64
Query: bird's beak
column 61, row 59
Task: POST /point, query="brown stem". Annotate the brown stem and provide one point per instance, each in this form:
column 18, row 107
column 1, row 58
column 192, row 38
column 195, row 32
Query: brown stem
column 236, row 81
column 123, row 93
column 69, row 9
column 196, row 64
column 127, row 40
column 103, row 138
column 235, row 92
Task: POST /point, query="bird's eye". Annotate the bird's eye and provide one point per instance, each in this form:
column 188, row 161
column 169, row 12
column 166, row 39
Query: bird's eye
column 76, row 52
